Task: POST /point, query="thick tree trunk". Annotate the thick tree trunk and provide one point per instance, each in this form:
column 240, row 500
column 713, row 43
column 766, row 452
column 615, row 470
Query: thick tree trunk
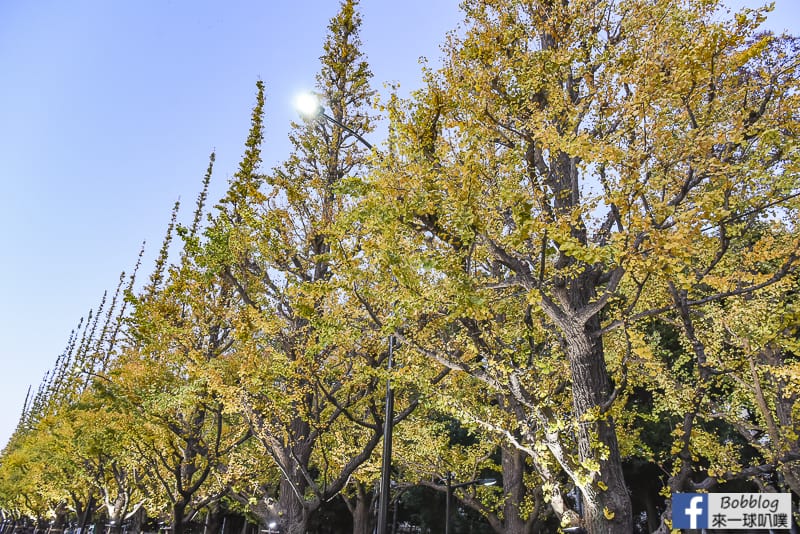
column 84, row 514
column 116, row 511
column 652, row 513
column 178, row 517
column 213, row 522
column 513, row 461
column 607, row 506
column 59, row 521
column 362, row 521
column 294, row 515
column 362, row 511
column 137, row 519
column 266, row 509
column 294, row 509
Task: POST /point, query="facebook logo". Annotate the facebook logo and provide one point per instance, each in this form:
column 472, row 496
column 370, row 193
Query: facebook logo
column 689, row 510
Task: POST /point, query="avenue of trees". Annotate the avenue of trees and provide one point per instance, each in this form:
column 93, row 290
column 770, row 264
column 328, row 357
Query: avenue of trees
column 580, row 234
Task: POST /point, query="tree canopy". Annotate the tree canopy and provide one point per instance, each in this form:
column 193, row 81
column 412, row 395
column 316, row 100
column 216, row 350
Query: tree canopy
column 581, row 232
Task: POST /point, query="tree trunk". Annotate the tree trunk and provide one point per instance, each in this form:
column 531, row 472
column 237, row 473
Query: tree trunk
column 785, row 406
column 137, row 519
column 178, row 517
column 116, row 511
column 83, row 512
column 59, row 521
column 513, row 462
column 607, row 506
column 362, row 511
column 652, row 513
column 213, row 522
column 606, row 510
column 294, row 515
column 266, row 509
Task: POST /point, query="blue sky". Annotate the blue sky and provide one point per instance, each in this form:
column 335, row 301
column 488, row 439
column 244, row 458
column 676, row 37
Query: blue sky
column 108, row 112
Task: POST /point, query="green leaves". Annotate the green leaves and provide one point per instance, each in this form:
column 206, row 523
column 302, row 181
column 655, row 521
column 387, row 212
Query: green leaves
column 581, row 233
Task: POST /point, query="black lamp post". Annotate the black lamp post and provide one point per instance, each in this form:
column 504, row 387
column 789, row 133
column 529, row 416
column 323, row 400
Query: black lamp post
column 388, row 426
column 309, row 107
column 450, row 487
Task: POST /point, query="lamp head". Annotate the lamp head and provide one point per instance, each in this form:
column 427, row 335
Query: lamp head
column 486, row 481
column 308, row 105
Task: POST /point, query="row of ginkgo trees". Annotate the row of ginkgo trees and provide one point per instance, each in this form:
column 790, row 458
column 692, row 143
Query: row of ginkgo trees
column 581, row 233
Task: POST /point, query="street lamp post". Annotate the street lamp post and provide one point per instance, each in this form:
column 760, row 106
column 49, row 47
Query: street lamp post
column 308, row 105
column 388, row 426
column 449, row 493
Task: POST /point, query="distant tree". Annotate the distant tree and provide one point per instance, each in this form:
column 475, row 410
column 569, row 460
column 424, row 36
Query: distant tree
column 53, row 457
column 179, row 334
column 307, row 352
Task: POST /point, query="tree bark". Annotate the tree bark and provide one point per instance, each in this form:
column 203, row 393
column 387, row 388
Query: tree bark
column 137, row 519
column 606, row 503
column 362, row 517
column 606, row 510
column 59, row 521
column 294, row 515
column 213, row 520
column 84, row 513
column 178, row 517
column 361, row 507
column 513, row 462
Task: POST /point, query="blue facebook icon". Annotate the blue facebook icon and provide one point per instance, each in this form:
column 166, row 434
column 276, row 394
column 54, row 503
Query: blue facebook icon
column 689, row 510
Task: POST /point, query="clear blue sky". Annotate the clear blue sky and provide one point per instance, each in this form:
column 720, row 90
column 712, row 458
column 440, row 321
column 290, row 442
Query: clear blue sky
column 108, row 112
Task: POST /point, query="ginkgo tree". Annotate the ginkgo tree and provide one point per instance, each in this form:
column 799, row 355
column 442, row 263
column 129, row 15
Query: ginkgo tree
column 726, row 385
column 58, row 457
column 306, row 350
column 575, row 167
column 179, row 331
column 757, row 352
column 581, row 234
column 506, row 489
column 708, row 403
